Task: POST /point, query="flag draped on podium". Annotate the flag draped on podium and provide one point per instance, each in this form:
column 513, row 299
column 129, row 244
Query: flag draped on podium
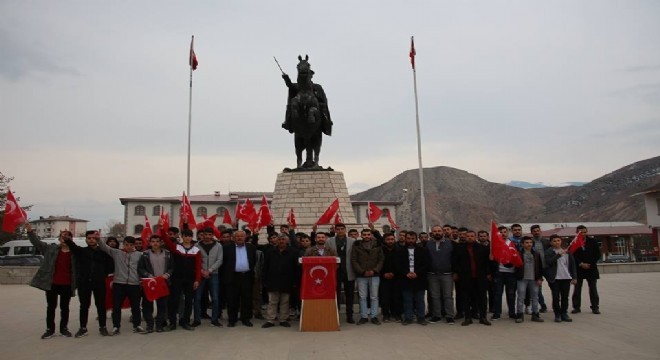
column 319, row 280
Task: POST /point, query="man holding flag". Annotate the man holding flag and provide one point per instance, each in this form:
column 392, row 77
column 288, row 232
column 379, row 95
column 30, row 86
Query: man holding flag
column 587, row 254
column 154, row 263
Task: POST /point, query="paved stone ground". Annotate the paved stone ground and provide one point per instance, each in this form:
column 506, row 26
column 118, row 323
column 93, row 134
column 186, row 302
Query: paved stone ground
column 627, row 329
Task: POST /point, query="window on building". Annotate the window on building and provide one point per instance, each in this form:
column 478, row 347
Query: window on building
column 155, row 229
column 157, row 210
column 385, row 212
column 138, row 229
column 220, row 210
column 201, row 211
column 139, row 210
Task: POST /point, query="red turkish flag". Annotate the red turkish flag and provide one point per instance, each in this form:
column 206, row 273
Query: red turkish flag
column 373, row 213
column 14, row 215
column 577, row 243
column 265, row 216
column 291, row 218
column 502, row 252
column 155, row 288
column 226, row 219
column 391, row 221
column 318, row 280
column 412, row 52
column 146, row 232
column 192, row 58
column 247, row 212
column 186, row 212
column 108, row 294
column 210, row 223
column 338, row 219
column 329, row 213
column 164, row 220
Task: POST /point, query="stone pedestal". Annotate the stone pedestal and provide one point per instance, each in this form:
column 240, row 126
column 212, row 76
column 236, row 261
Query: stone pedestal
column 310, row 193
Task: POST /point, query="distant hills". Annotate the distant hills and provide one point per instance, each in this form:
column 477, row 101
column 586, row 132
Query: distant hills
column 529, row 185
column 457, row 197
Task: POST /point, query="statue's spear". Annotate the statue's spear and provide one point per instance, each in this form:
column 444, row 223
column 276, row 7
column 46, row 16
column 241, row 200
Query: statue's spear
column 278, row 65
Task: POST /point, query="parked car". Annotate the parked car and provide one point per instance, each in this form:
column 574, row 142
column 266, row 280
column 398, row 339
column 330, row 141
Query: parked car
column 617, row 259
column 21, row 260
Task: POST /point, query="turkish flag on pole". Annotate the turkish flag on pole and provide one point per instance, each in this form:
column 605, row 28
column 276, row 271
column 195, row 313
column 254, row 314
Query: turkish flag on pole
column 186, row 212
column 265, row 217
column 373, row 213
column 412, row 52
column 329, row 213
column 146, row 232
column 155, row 288
column 318, row 280
column 14, row 215
column 391, row 221
column 192, row 59
column 226, row 219
column 577, row 242
column 291, row 218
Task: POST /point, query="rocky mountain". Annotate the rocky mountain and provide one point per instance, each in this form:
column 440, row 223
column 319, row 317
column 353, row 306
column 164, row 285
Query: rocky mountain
column 457, row 197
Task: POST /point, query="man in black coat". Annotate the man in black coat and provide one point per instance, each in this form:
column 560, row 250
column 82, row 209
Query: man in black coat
column 390, row 294
column 412, row 265
column 93, row 267
column 279, row 275
column 586, row 259
column 239, row 259
column 474, row 270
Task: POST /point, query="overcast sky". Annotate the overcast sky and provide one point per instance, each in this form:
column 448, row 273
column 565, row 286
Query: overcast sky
column 94, row 94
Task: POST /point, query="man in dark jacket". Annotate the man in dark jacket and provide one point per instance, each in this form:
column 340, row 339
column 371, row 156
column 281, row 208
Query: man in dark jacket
column 412, row 265
column 279, row 274
column 390, row 293
column 586, row 260
column 367, row 262
column 473, row 268
column 155, row 262
column 239, row 260
column 93, row 267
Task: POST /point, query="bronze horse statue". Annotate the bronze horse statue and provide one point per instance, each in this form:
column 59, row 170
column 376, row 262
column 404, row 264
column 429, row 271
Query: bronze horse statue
column 307, row 115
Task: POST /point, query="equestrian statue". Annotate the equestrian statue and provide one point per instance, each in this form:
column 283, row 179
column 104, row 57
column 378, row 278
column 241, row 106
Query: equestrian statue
column 307, row 115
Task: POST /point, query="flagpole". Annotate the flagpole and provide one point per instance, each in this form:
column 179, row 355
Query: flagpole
column 189, row 118
column 419, row 142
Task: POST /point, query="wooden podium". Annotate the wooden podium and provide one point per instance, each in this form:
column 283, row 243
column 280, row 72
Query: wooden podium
column 318, row 294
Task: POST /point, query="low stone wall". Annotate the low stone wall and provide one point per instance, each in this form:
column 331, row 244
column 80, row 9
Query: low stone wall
column 637, row 267
column 17, row 274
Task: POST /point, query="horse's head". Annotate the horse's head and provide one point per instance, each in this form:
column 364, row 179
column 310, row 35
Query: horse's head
column 305, row 71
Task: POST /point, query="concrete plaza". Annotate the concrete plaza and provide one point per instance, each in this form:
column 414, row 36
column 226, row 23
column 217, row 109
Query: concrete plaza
column 628, row 328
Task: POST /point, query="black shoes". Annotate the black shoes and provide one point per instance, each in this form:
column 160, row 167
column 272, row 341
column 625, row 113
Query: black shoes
column 375, row 321
column 246, row 323
column 485, row 321
column 450, row 321
column 595, row 311
column 536, row 318
column 65, row 332
column 231, row 324
column 435, row 319
column 82, row 332
column 362, row 321
column 267, row 325
column 467, row 321
column 187, row 327
column 350, row 320
column 575, row 311
column 48, row 334
column 196, row 323
column 565, row 318
column 285, row 324
column 103, row 331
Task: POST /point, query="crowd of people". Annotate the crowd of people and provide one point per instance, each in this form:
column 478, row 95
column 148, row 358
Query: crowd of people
column 401, row 276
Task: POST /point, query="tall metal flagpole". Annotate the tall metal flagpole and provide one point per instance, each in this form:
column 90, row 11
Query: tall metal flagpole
column 191, row 60
column 419, row 138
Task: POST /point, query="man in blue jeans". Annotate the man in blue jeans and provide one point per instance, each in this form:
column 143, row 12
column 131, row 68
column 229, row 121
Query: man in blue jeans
column 367, row 261
column 412, row 265
column 504, row 278
column 211, row 252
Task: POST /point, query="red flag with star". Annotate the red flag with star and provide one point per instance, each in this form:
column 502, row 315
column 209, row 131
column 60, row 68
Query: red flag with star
column 412, row 52
column 265, row 216
column 373, row 213
column 291, row 219
column 146, row 232
column 155, row 288
column 329, row 213
column 14, row 215
column 577, row 242
column 186, row 213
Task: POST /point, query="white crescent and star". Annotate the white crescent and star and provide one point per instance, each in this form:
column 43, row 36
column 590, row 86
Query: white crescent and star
column 318, row 280
column 151, row 284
